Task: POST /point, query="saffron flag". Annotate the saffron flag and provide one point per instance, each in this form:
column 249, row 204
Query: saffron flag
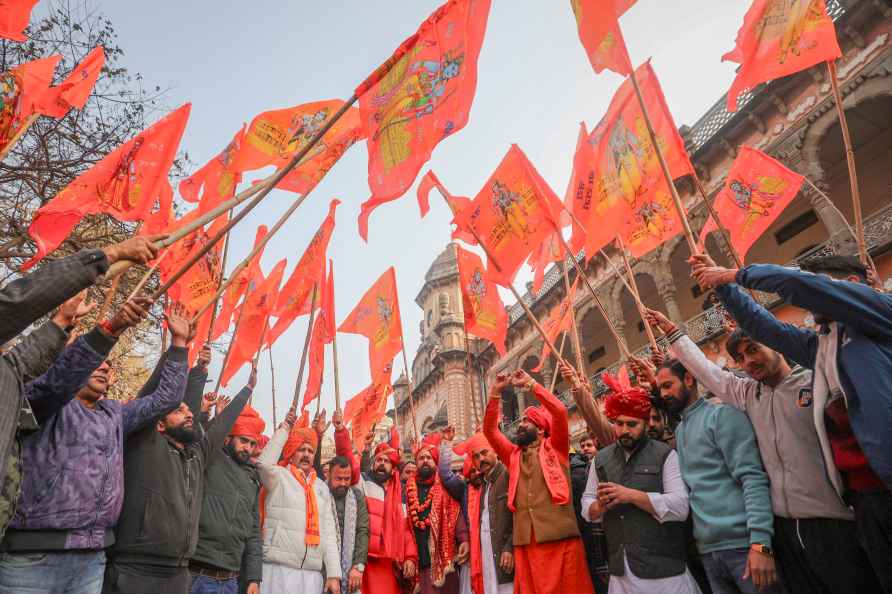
column 630, row 192
column 779, row 38
column 368, row 407
column 248, row 338
column 125, row 184
column 546, row 253
column 14, row 17
column 420, row 96
column 579, row 198
column 599, row 31
column 316, row 165
column 756, row 193
column 218, row 178
column 377, row 317
column 199, row 283
column 427, row 183
column 74, row 91
column 296, row 296
column 559, row 321
column 513, row 214
column 323, row 334
column 238, row 287
column 485, row 314
column 456, row 203
column 21, row 90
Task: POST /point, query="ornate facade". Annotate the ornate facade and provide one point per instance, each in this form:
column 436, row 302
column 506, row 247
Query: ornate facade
column 793, row 119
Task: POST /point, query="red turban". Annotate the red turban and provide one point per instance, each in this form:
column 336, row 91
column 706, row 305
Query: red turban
column 298, row 437
column 472, row 445
column 248, row 424
column 262, row 440
column 539, row 417
column 393, row 454
column 625, row 401
column 468, row 468
column 430, row 443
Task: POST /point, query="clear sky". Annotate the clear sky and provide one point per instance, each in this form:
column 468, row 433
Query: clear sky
column 233, row 60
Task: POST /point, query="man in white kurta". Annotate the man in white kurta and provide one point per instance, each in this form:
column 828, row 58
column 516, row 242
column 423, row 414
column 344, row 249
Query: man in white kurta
column 658, row 516
column 299, row 537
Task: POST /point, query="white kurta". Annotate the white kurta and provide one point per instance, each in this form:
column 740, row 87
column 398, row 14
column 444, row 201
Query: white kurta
column 490, row 576
column 279, row 579
column 671, row 505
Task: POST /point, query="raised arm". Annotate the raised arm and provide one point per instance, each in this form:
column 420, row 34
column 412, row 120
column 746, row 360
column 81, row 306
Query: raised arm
column 344, row 445
column 454, row 484
column 560, row 425
column 501, row 444
column 221, row 425
column 596, row 422
column 724, row 384
column 195, row 383
column 267, row 462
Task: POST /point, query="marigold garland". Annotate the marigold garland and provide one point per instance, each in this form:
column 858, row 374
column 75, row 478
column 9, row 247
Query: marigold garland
column 416, row 508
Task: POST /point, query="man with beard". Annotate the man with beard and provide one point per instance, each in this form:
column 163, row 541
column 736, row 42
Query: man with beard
column 729, row 493
column 851, row 358
column 164, row 466
column 73, row 466
column 229, row 529
column 441, row 533
column 549, row 557
column 352, row 515
column 300, row 539
column 635, row 486
column 392, row 550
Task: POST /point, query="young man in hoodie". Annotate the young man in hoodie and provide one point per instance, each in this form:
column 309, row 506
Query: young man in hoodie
column 851, row 358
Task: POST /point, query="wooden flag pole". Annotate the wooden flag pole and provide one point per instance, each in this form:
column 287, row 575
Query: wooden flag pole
column 688, row 234
column 557, row 370
column 272, row 375
column 303, row 355
column 337, row 375
column 109, row 297
column 26, row 125
column 238, row 323
column 262, row 338
column 220, row 282
column 636, row 295
column 577, row 344
column 850, row 161
column 145, row 278
column 723, row 230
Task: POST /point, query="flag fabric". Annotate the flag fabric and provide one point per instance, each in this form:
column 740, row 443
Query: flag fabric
column 579, row 198
column 197, row 286
column 513, row 214
column 296, row 296
column 779, row 38
column 125, row 184
column 323, row 334
column 368, row 407
column 757, row 191
column 21, row 90
column 238, row 287
column 420, row 96
column 558, row 321
column 74, row 91
column 485, row 314
column 377, row 317
column 600, row 34
column 551, row 250
column 218, row 178
column 248, row 339
column 427, row 183
column 456, row 203
column 630, row 192
column 14, row 17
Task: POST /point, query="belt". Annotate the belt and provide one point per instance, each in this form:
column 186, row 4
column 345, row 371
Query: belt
column 212, row 572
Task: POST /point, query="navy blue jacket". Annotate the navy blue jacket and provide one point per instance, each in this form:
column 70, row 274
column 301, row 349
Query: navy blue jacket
column 864, row 357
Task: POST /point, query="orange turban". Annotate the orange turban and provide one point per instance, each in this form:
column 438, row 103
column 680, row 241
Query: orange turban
column 430, row 443
column 298, row 437
column 472, row 445
column 625, row 401
column 539, row 417
column 248, row 424
column 392, row 453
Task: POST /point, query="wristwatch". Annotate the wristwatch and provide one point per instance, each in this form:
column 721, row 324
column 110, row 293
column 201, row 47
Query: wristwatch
column 765, row 550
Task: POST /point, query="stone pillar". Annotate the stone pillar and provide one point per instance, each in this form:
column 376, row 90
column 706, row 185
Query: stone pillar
column 668, row 291
column 457, row 405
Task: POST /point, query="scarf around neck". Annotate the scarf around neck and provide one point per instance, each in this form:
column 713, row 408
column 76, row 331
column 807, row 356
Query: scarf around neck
column 312, row 535
column 347, row 544
column 552, row 469
column 475, row 495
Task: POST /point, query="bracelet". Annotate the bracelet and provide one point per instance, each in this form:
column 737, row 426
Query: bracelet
column 530, row 385
column 106, row 327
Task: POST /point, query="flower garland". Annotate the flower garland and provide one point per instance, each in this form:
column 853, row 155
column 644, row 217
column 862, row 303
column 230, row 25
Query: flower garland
column 416, row 508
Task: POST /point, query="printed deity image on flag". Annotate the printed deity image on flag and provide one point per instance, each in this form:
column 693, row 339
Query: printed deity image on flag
column 377, row 317
column 485, row 314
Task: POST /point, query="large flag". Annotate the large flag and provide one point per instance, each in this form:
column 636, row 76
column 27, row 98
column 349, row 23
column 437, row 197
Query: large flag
column 238, row 287
column 21, row 91
column 630, row 193
column 579, row 198
column 424, row 95
column 218, row 178
column 779, row 38
column 312, row 168
column 513, row 214
column 74, row 91
column 14, row 17
column 550, row 251
column 368, row 407
column 485, row 314
column 756, row 193
column 248, row 339
column 323, row 333
column 559, row 320
column 296, row 296
column 377, row 317
column 600, row 33
column 125, row 184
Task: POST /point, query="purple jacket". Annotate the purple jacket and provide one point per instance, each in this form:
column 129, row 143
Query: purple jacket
column 73, row 485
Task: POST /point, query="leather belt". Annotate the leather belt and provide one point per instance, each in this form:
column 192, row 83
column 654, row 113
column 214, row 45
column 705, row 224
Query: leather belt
column 212, row 572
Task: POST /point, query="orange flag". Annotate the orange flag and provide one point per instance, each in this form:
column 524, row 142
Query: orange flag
column 377, row 317
column 323, row 334
column 547, row 253
column 296, row 296
column 600, row 34
column 559, row 320
column 125, row 184
column 427, row 183
column 485, row 314
column 219, row 178
column 630, row 191
column 368, row 407
column 14, row 17
column 74, row 91
column 513, row 214
column 456, row 203
column 260, row 296
column 21, row 90
column 424, row 96
column 756, row 193
column 315, row 166
column 238, row 287
column 579, row 198
column 779, row 38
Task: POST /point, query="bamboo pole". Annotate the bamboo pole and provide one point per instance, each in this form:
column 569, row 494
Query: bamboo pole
column 636, row 295
column 238, row 324
column 272, row 375
column 220, row 282
column 557, row 369
column 723, row 230
column 110, row 292
column 850, row 162
column 303, row 355
column 26, row 125
column 337, row 375
column 145, row 278
column 577, row 344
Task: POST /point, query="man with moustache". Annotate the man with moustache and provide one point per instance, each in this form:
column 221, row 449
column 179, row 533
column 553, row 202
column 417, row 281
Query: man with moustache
column 548, row 553
column 635, row 487
column 352, row 515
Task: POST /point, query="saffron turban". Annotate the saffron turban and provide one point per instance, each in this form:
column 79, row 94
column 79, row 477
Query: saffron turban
column 262, row 440
column 539, row 417
column 625, row 401
column 392, row 453
column 430, row 443
column 248, row 424
column 472, row 445
column 298, row 437
column 468, row 469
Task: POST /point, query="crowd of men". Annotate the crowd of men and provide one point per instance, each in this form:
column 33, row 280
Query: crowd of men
column 771, row 477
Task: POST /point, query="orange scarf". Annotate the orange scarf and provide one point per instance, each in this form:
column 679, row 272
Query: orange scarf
column 312, row 536
column 552, row 469
column 475, row 494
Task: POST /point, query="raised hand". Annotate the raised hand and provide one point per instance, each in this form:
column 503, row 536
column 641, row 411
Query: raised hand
column 130, row 314
column 221, row 403
column 72, row 310
column 657, row 320
column 521, row 379
column 207, row 401
column 179, row 324
column 643, row 370
column 707, row 274
column 252, row 378
column 502, row 381
column 319, row 424
column 289, row 421
column 337, row 419
column 204, row 358
column 139, row 249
